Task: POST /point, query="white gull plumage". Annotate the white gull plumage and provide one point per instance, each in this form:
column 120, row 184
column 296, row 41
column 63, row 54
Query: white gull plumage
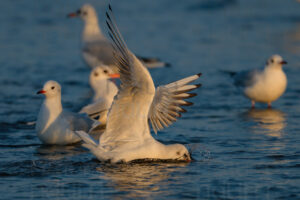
column 127, row 136
column 264, row 86
column 96, row 48
column 104, row 93
column 55, row 125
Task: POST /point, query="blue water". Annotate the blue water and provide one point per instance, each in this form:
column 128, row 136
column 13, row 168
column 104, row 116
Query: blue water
column 240, row 153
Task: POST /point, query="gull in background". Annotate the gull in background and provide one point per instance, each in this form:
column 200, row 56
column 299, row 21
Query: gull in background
column 104, row 92
column 127, row 136
column 96, row 48
column 264, row 86
column 55, row 125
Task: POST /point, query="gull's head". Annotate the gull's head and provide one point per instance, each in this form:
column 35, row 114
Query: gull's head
column 276, row 61
column 180, row 152
column 101, row 74
column 51, row 89
column 86, row 13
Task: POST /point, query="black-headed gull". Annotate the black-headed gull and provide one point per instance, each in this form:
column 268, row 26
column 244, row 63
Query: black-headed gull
column 96, row 48
column 104, row 92
column 264, row 86
column 55, row 125
column 127, row 136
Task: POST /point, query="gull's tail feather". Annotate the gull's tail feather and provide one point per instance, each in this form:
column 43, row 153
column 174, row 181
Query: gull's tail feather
column 97, row 127
column 94, row 115
column 89, row 142
column 93, row 146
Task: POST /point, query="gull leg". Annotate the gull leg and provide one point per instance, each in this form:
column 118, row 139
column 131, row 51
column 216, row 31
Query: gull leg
column 252, row 104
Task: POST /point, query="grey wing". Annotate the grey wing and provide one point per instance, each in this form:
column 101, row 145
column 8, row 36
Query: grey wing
column 79, row 122
column 96, row 109
column 168, row 101
column 246, row 78
column 101, row 50
column 129, row 109
column 151, row 62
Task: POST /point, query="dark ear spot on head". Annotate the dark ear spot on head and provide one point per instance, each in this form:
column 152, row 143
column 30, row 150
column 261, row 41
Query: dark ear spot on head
column 178, row 153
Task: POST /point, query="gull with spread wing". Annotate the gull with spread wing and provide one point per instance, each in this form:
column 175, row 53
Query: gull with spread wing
column 127, row 136
column 96, row 48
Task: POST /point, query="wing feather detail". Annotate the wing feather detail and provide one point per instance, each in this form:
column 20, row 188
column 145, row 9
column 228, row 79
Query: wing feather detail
column 168, row 101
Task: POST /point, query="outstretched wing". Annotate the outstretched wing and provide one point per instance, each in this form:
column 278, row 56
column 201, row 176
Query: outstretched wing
column 128, row 115
column 168, row 101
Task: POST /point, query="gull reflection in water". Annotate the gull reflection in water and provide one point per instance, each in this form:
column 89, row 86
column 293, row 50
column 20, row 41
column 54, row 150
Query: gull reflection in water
column 140, row 179
column 57, row 152
column 268, row 121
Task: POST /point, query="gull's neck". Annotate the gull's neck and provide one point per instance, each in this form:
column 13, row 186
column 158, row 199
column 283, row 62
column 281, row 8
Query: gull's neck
column 273, row 68
column 52, row 106
column 49, row 111
column 104, row 89
column 91, row 30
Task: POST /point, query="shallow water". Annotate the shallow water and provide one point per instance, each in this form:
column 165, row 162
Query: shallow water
column 240, row 153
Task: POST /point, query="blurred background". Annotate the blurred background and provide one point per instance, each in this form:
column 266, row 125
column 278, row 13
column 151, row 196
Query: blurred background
column 240, row 153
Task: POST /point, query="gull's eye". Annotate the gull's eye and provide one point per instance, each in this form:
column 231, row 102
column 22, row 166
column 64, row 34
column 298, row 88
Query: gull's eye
column 52, row 88
column 96, row 74
column 272, row 60
column 105, row 71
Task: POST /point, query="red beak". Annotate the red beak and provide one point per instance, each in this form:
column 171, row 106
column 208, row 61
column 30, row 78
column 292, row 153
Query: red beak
column 71, row 15
column 283, row 62
column 41, row 92
column 114, row 75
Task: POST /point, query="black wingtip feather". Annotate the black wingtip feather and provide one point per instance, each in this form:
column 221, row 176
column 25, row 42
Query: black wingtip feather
column 107, row 15
column 187, row 103
column 199, row 74
column 168, row 64
column 198, row 85
column 109, row 7
column 183, row 110
column 111, row 37
column 192, row 95
column 108, row 26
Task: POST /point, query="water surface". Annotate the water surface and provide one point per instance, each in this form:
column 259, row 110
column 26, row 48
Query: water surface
column 240, row 153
